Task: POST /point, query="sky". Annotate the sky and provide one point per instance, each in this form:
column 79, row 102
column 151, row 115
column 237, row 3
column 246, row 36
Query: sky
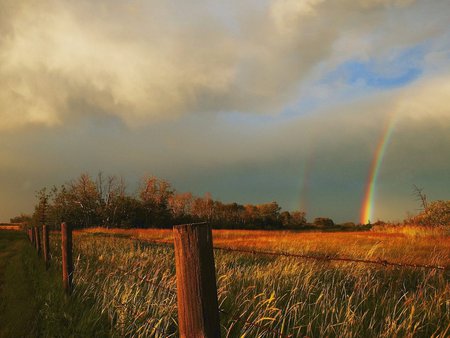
column 333, row 107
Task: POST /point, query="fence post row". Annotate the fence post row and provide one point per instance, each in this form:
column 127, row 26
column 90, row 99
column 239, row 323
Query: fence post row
column 198, row 309
column 46, row 245
column 37, row 239
column 67, row 264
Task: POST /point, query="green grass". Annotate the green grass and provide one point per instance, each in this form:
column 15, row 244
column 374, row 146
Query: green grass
column 32, row 302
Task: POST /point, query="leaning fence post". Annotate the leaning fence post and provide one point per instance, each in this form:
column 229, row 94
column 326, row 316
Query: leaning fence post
column 198, row 309
column 37, row 239
column 45, row 245
column 67, row 264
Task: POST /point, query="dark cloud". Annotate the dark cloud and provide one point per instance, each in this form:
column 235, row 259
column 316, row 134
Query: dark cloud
column 134, row 88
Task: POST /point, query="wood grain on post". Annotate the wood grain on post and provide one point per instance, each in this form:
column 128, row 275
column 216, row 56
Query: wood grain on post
column 46, row 245
column 37, row 239
column 198, row 309
column 67, row 264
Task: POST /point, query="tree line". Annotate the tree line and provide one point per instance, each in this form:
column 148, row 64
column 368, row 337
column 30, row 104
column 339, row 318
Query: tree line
column 105, row 201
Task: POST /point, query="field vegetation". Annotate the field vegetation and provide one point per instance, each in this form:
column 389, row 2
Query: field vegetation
column 133, row 283
column 125, row 274
column 32, row 302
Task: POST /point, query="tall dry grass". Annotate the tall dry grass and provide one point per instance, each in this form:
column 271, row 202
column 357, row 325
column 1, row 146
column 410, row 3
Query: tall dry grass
column 400, row 246
column 134, row 283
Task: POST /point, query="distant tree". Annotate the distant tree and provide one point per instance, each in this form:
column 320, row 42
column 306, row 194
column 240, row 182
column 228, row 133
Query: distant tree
column 76, row 202
column 128, row 212
column 180, row 206
column 293, row 219
column 41, row 209
column 285, row 219
column 154, row 195
column 420, row 196
column 111, row 192
column 323, row 222
column 269, row 214
column 298, row 218
column 85, row 200
column 22, row 218
column 203, row 208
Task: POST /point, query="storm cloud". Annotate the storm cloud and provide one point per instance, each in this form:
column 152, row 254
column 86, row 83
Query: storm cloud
column 252, row 101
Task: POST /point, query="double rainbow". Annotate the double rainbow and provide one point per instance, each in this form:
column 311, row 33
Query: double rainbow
column 369, row 196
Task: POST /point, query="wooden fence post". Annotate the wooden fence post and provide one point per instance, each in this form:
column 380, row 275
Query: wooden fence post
column 67, row 264
column 30, row 235
column 198, row 309
column 37, row 239
column 46, row 245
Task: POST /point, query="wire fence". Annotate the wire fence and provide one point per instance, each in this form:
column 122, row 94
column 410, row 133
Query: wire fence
column 248, row 323
column 326, row 258
column 322, row 258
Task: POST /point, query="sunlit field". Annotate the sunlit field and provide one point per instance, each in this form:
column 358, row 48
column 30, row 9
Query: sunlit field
column 133, row 283
column 408, row 245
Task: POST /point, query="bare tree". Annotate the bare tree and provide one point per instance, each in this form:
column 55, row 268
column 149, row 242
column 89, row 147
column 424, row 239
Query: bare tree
column 420, row 197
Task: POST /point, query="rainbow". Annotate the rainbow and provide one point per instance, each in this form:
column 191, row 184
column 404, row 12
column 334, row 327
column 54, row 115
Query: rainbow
column 305, row 185
column 369, row 196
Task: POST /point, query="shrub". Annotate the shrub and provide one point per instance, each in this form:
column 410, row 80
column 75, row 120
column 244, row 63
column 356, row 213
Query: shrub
column 323, row 222
column 436, row 213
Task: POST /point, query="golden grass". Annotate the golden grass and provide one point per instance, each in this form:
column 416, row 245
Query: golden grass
column 401, row 246
column 133, row 283
column 10, row 227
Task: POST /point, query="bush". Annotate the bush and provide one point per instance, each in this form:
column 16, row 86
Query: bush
column 436, row 214
column 323, row 222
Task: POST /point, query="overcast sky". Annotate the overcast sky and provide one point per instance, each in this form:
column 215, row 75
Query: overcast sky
column 250, row 100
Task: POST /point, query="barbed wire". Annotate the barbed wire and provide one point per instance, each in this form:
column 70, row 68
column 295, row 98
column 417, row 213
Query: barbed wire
column 330, row 258
column 379, row 261
column 237, row 317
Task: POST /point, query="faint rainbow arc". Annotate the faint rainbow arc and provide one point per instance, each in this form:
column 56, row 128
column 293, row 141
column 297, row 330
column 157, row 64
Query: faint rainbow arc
column 369, row 196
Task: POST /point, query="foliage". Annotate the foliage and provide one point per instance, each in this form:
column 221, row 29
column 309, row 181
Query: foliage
column 22, row 218
column 32, row 301
column 105, row 202
column 437, row 213
column 323, row 222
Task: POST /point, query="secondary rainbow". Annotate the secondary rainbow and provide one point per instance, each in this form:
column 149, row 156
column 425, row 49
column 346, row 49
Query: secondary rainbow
column 369, row 196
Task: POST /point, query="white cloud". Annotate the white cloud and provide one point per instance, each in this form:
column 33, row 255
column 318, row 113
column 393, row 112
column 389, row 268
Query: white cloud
column 147, row 61
column 427, row 99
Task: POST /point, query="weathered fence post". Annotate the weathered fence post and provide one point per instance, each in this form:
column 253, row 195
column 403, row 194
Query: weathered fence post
column 46, row 245
column 198, row 309
column 30, row 235
column 37, row 239
column 67, row 264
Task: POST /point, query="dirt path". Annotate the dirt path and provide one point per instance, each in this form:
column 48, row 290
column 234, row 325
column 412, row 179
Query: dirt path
column 18, row 306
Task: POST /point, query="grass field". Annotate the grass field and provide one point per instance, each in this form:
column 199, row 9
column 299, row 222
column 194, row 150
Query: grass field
column 32, row 303
column 133, row 283
column 407, row 245
column 126, row 287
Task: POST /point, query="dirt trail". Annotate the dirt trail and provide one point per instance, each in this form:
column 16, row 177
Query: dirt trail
column 18, row 306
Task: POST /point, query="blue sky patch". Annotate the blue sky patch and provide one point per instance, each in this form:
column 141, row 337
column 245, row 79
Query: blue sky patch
column 395, row 70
